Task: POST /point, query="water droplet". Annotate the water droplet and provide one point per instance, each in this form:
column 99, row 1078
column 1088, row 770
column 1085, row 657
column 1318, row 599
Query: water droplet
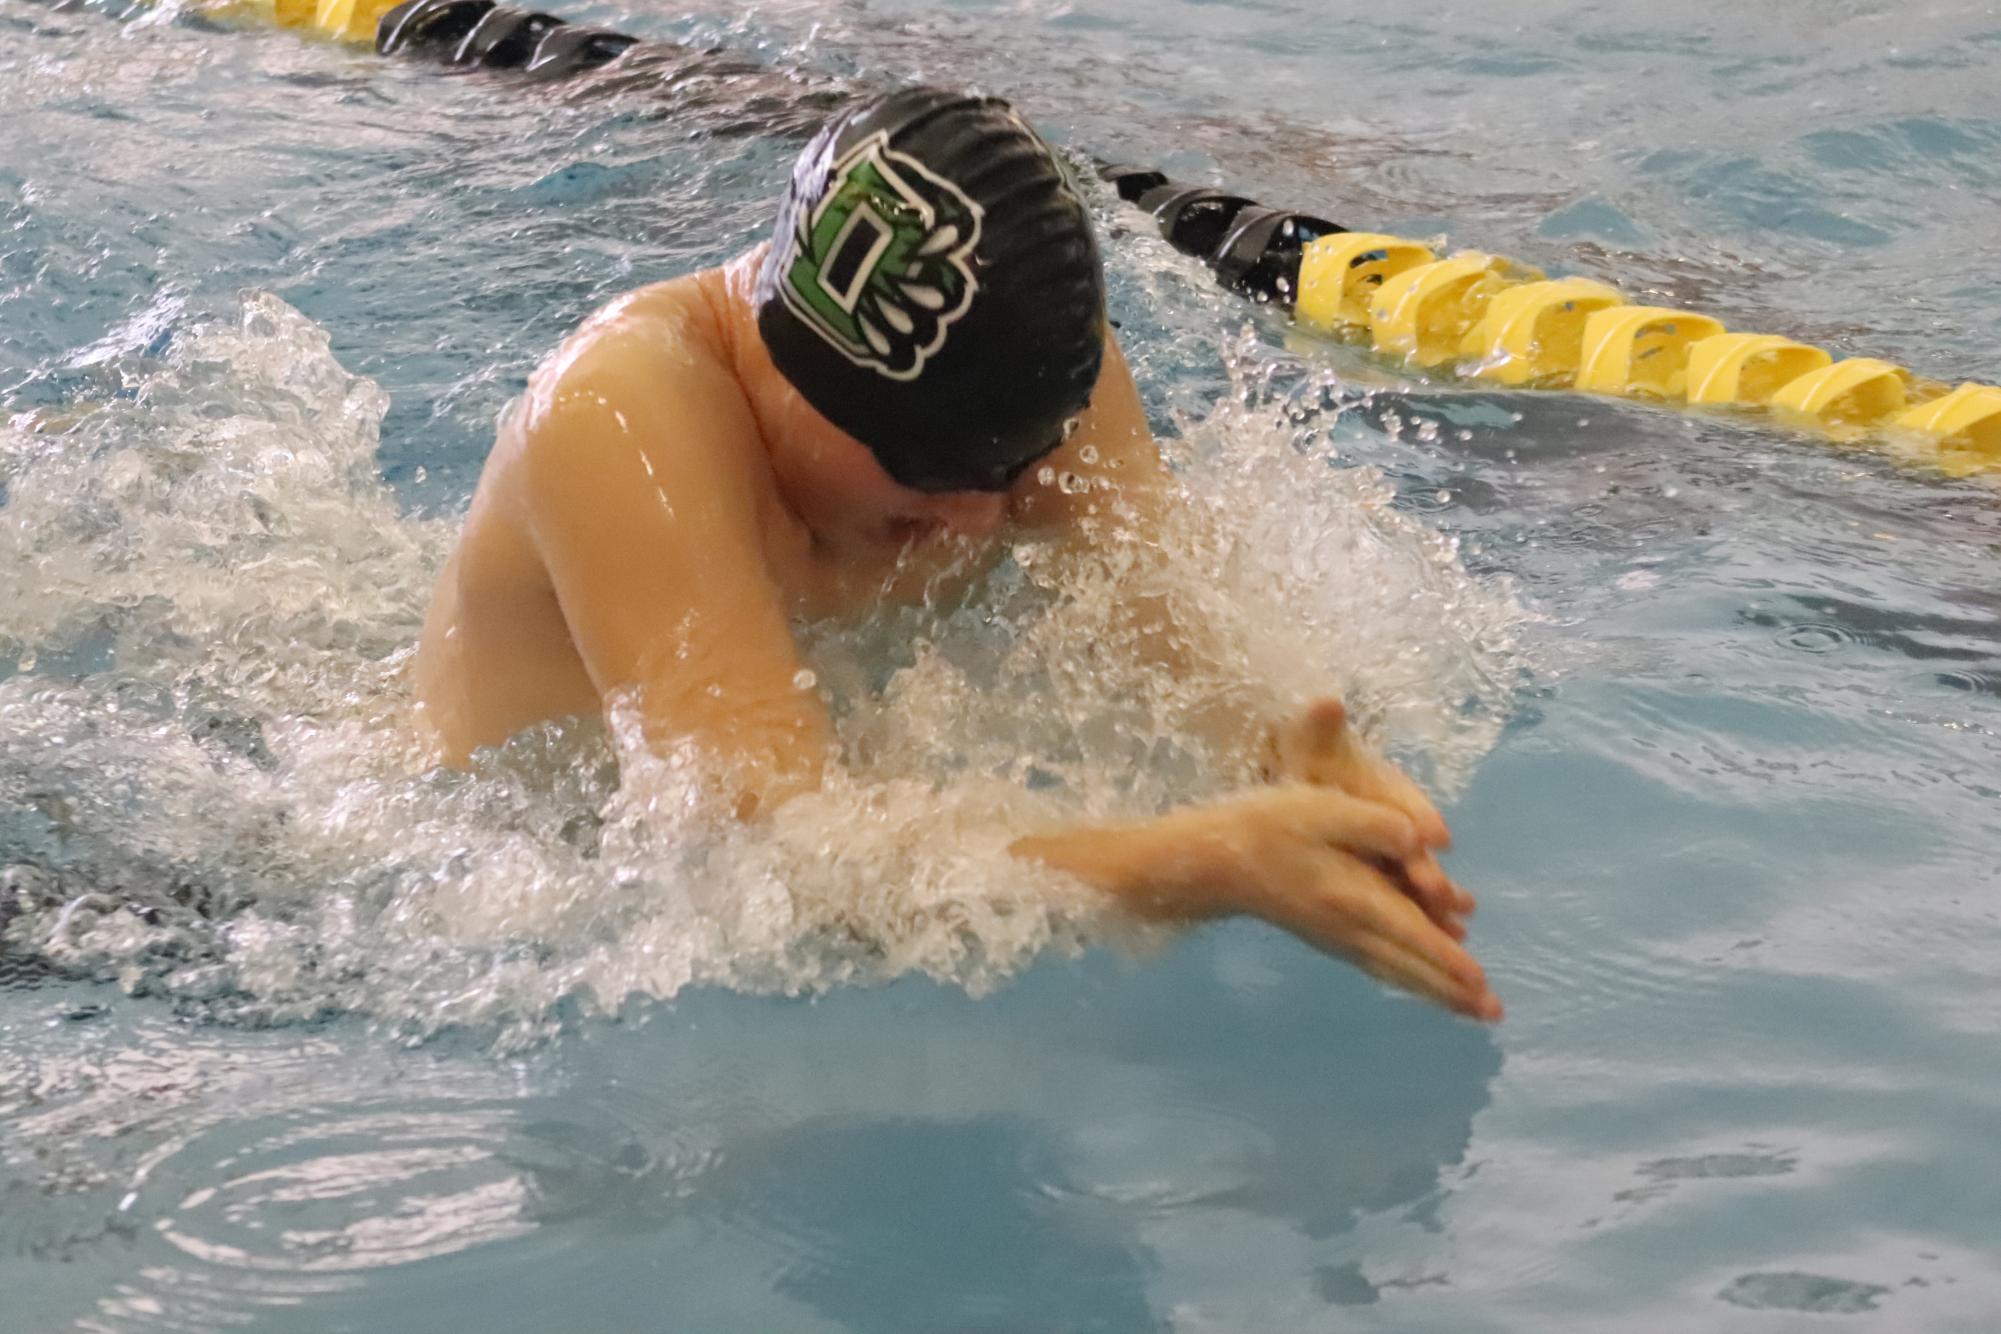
column 1045, row 475
column 1445, row 497
column 1070, row 484
column 1089, row 454
column 803, row 679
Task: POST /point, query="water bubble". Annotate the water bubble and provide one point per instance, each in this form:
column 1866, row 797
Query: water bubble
column 804, row 679
column 1088, row 454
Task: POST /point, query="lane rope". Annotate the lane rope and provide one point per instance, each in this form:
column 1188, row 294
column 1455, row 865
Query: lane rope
column 1481, row 316
column 1492, row 319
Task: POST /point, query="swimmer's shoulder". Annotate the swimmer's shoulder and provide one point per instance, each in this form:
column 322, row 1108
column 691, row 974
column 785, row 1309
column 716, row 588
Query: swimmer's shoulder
column 643, row 338
column 650, row 379
column 654, row 360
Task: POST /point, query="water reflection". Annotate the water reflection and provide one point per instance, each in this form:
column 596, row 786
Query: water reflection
column 923, row 1225
column 1062, row 1155
column 1070, row 1153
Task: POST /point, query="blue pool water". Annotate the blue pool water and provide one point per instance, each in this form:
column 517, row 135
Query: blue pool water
column 296, row 1036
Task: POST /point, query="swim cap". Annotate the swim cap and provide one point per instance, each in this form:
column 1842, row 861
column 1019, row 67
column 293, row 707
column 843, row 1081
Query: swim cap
column 934, row 289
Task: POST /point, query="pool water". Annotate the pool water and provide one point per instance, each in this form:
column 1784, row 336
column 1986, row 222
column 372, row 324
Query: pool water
column 296, row 1035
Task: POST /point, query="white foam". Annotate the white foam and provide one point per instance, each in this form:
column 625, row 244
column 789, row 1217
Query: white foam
column 211, row 756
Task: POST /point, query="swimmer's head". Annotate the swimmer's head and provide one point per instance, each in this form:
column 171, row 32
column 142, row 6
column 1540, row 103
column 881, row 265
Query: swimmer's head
column 934, row 288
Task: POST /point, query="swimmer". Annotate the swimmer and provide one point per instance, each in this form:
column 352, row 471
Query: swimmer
column 845, row 416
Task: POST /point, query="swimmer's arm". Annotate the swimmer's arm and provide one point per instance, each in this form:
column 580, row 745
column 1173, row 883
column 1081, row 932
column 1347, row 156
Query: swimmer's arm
column 1130, row 500
column 1109, row 495
column 1345, row 874
column 1108, row 473
column 1108, row 487
column 644, row 511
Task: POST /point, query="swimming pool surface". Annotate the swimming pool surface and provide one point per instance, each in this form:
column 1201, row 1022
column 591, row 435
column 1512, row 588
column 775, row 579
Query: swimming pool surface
column 293, row 1037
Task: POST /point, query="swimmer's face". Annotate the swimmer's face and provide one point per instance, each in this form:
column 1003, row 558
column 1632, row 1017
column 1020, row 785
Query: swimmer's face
column 846, row 497
column 831, row 479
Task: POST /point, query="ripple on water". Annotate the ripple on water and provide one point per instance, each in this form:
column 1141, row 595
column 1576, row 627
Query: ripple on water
column 348, row 1189
column 1978, row 683
column 1757, row 1163
column 268, row 1209
column 1814, row 1293
column 1165, row 1156
column 941, row 1223
column 222, row 1174
column 1816, row 638
column 1576, row 971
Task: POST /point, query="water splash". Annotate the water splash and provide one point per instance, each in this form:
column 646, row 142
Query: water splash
column 208, row 791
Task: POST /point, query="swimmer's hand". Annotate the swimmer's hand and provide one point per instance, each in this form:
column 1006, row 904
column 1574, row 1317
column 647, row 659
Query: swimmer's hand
column 1321, row 863
column 1319, row 747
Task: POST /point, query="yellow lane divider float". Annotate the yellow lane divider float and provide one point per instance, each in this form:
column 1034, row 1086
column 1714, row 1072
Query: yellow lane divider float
column 1486, row 316
column 1491, row 319
column 1516, row 328
column 351, row 21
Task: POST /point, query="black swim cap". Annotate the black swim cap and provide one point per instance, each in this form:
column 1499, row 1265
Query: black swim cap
column 934, row 289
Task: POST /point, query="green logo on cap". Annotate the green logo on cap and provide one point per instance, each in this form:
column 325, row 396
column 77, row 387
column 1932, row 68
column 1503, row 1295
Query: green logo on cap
column 880, row 267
